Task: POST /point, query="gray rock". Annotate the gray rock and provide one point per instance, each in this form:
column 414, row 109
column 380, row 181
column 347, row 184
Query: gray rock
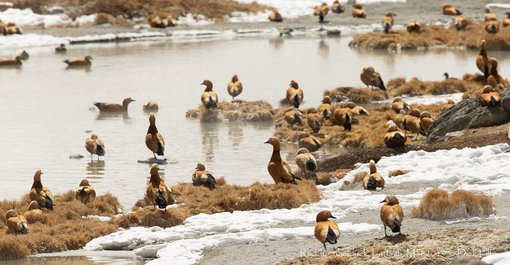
column 469, row 114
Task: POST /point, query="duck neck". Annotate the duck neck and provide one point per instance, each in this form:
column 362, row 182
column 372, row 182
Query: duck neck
column 125, row 105
column 276, row 154
column 37, row 184
column 152, row 129
column 155, row 179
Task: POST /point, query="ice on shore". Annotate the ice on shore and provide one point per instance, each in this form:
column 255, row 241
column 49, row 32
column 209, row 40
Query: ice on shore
column 498, row 259
column 26, row 17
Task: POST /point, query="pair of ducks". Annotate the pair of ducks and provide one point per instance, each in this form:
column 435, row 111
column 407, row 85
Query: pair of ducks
column 388, row 20
column 209, row 97
column 391, row 214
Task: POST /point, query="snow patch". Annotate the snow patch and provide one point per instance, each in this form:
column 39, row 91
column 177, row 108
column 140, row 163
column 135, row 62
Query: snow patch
column 26, row 17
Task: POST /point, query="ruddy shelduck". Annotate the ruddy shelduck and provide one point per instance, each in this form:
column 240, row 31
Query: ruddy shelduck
column 279, row 170
column 343, row 117
column 337, row 7
column 17, row 224
column 426, row 121
column 156, row 22
column 234, row 87
column 449, row 10
column 482, row 60
column 506, row 20
column 24, row 55
column 398, row 105
column 388, row 21
column 293, row 117
column 371, row 78
column 85, row 192
column 309, row 142
column 95, row 146
column 325, row 108
column 492, row 67
column 114, row 107
column 294, row 94
column 153, row 139
column 34, row 212
column 315, row 121
column 412, row 123
column 399, row 119
column 86, row 62
column 203, row 177
column 151, row 106
column 488, row 16
column 16, row 61
column 41, row 194
column 325, row 229
column 413, row 26
column 373, row 180
column 392, row 214
column 306, row 161
column 490, row 97
column 209, row 97
column 275, row 16
column 11, row 28
column 394, row 137
column 460, row 23
column 61, row 48
column 358, row 11
column 158, row 193
column 492, row 26
column 321, row 11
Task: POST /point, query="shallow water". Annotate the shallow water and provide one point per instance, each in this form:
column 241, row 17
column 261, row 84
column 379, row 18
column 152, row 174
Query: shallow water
column 46, row 111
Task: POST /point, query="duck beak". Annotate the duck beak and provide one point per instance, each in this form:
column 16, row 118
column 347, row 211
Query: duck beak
column 202, row 83
column 332, row 217
column 266, row 142
column 382, row 201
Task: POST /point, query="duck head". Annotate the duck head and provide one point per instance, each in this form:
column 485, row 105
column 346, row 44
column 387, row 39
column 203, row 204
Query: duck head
column 274, row 142
column 200, row 167
column 208, row 85
column 390, row 200
column 324, row 216
column 84, row 182
column 294, row 84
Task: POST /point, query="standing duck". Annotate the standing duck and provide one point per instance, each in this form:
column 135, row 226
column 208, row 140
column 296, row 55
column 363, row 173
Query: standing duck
column 158, row 193
column 114, row 107
column 373, row 180
column 294, row 94
column 41, row 194
column 325, row 229
column 17, row 224
column 279, row 170
column 387, row 21
column 412, row 123
column 94, row 146
column 315, row 121
column 153, row 139
column 209, row 97
column 85, row 193
column 358, row 11
column 275, row 16
column 306, row 161
column 86, row 62
column 506, row 20
column 488, row 16
column 482, row 60
column 371, row 78
column 426, row 121
column 234, row 87
column 203, row 177
column 337, row 7
column 343, row 117
column 392, row 214
column 325, row 108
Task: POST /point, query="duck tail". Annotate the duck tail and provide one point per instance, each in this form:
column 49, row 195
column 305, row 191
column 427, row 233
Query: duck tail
column 100, row 150
column 160, row 150
column 331, row 237
column 395, row 226
column 493, row 102
column 294, row 177
column 311, row 165
column 295, row 102
column 211, row 182
column 49, row 202
column 160, row 199
column 347, row 123
column 372, row 182
column 382, row 84
column 386, row 27
column 325, row 114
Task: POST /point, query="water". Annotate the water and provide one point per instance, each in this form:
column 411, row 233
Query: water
column 46, row 110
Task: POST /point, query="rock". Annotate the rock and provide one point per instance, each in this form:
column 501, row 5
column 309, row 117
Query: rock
column 469, row 114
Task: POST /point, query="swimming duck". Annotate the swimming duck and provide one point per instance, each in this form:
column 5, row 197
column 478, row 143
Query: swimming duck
column 394, row 137
column 275, row 16
column 447, row 76
column 151, row 106
column 16, row 61
column 61, row 48
column 234, row 87
column 449, row 10
column 85, row 193
column 114, row 107
column 398, row 105
column 371, row 78
column 387, row 21
column 309, row 142
column 392, row 214
column 482, row 60
column 24, row 55
column 203, row 177
column 17, row 224
column 279, row 170
column 306, row 161
column 86, row 62
column 209, row 97
column 41, row 194
column 325, row 229
column 490, row 97
column 358, row 11
column 294, row 94
column 413, row 26
column 158, row 193
column 373, row 180
column 337, row 7
column 95, row 146
column 153, row 139
column 325, row 108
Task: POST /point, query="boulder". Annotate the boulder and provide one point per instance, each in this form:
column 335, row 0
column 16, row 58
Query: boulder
column 469, row 114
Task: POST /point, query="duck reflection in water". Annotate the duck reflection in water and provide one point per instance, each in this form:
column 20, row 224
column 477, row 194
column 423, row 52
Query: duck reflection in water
column 113, row 115
column 235, row 133
column 323, row 48
column 209, row 131
column 96, row 167
column 276, row 43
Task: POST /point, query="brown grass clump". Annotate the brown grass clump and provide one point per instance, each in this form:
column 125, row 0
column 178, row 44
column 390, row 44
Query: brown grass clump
column 356, row 95
column 249, row 111
column 225, row 198
column 336, row 260
column 416, row 87
column 438, row 205
column 58, row 230
column 212, row 9
column 433, row 36
column 326, row 178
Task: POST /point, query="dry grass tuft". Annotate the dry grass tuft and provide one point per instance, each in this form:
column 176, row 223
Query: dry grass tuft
column 250, row 111
column 225, row 198
column 416, row 87
column 336, row 260
column 58, row 230
column 398, row 172
column 356, row 95
column 438, row 205
column 378, row 249
column 434, row 36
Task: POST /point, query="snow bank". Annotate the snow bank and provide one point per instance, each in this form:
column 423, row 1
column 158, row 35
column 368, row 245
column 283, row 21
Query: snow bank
column 428, row 99
column 26, row 17
column 498, row 259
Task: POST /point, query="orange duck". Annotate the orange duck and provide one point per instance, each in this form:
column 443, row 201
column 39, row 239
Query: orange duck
column 388, row 21
column 294, row 94
column 114, row 107
column 158, row 193
column 95, row 146
column 373, row 180
column 86, row 62
column 234, row 87
column 279, row 170
column 85, row 192
column 325, row 229
column 203, row 177
column 209, row 97
column 16, row 61
column 153, row 139
column 41, row 194
column 392, row 214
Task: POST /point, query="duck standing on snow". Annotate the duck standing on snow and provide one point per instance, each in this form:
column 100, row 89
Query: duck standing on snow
column 371, row 78
column 234, row 87
column 85, row 192
column 325, row 229
column 41, row 194
column 153, row 139
column 114, row 107
column 392, row 214
column 203, row 177
column 95, row 146
column 294, row 94
column 279, row 170
column 373, row 180
column 158, row 193
column 209, row 97
column 86, row 62
column 17, row 224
